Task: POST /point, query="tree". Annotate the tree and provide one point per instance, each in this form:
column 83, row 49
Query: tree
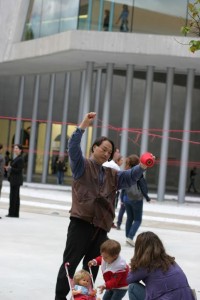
column 193, row 25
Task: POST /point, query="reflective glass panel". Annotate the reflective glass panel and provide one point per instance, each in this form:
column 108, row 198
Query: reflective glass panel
column 50, row 17
column 159, row 16
column 69, row 15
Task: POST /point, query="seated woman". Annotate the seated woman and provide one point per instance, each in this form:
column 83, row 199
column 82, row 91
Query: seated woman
column 162, row 277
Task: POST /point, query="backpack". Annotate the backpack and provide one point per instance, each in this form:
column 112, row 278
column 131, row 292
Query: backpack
column 134, row 193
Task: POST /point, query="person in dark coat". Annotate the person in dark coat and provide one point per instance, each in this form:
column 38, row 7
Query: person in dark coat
column 61, row 168
column 15, row 176
column 163, row 278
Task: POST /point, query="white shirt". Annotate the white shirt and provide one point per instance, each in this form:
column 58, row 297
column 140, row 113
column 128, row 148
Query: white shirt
column 111, row 164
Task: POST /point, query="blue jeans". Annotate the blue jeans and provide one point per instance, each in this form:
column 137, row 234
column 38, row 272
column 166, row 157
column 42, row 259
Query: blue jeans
column 120, row 215
column 134, row 210
column 136, row 291
column 60, row 177
column 114, row 294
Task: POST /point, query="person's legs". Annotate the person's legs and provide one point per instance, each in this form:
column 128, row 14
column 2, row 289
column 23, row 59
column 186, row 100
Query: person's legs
column 17, row 201
column 61, row 177
column 137, row 207
column 14, row 199
column 118, row 294
column 120, row 215
column 99, row 236
column 107, row 295
column 79, row 242
column 136, row 291
column 130, row 217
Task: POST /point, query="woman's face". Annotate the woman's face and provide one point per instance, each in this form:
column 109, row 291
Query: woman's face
column 17, row 151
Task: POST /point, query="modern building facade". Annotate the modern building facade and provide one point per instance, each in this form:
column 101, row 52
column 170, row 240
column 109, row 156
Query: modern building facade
column 60, row 59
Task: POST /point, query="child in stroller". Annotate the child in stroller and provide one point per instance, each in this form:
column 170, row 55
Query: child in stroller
column 82, row 286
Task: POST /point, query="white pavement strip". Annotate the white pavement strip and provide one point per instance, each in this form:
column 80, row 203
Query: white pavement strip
column 154, row 208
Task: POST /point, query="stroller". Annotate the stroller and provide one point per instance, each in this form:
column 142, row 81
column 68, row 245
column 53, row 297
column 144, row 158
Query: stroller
column 91, row 289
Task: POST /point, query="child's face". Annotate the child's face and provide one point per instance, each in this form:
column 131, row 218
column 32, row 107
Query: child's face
column 85, row 281
column 107, row 258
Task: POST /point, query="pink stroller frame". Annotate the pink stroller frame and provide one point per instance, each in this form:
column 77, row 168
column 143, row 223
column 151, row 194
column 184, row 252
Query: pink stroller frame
column 71, row 283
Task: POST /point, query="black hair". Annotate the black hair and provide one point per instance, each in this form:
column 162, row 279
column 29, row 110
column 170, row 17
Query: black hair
column 19, row 146
column 99, row 141
column 1, row 146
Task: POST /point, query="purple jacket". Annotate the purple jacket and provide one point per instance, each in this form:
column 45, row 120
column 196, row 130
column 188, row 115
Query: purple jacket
column 171, row 285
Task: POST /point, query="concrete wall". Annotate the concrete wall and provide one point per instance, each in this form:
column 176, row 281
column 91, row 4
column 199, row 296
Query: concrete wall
column 12, row 19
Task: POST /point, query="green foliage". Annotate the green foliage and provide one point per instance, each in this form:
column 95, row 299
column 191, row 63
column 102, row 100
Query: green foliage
column 29, row 35
column 193, row 25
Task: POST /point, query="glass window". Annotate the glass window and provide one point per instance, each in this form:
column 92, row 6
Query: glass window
column 69, row 15
column 159, row 16
column 83, row 14
column 50, row 22
column 32, row 27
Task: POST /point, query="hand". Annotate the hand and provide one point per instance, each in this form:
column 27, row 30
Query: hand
column 92, row 263
column 152, row 201
column 74, row 292
column 101, row 288
column 89, row 117
column 93, row 293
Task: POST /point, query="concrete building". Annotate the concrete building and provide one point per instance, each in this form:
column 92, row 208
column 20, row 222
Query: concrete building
column 58, row 61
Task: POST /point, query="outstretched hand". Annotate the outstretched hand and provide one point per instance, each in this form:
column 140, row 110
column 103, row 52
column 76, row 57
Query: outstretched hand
column 89, row 117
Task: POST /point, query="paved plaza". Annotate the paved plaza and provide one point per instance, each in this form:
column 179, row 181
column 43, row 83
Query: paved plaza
column 32, row 246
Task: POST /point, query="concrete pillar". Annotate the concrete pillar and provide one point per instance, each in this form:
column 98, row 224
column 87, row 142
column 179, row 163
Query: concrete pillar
column 147, row 106
column 86, row 101
column 186, row 137
column 165, row 135
column 48, row 130
column 97, row 101
column 34, row 126
column 107, row 99
column 19, row 111
column 64, row 117
column 126, row 112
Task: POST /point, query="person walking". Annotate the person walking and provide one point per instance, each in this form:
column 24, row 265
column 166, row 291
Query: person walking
column 163, row 278
column 106, row 20
column 192, row 185
column 133, row 201
column 124, row 19
column 15, row 176
column 2, row 164
column 61, row 168
column 93, row 202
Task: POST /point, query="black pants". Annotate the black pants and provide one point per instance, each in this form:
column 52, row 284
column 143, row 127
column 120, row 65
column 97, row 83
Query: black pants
column 14, row 201
column 83, row 242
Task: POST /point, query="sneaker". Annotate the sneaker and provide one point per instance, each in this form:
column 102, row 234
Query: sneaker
column 118, row 227
column 130, row 242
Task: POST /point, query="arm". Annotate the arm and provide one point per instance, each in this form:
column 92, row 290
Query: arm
column 130, row 177
column 77, row 161
column 143, row 187
column 140, row 274
column 95, row 262
column 17, row 165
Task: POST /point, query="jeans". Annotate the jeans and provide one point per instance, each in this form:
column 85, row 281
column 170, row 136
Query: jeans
column 134, row 210
column 60, row 177
column 136, row 291
column 120, row 215
column 114, row 294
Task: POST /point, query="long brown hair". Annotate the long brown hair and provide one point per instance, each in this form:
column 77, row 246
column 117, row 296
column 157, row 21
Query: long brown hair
column 150, row 253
